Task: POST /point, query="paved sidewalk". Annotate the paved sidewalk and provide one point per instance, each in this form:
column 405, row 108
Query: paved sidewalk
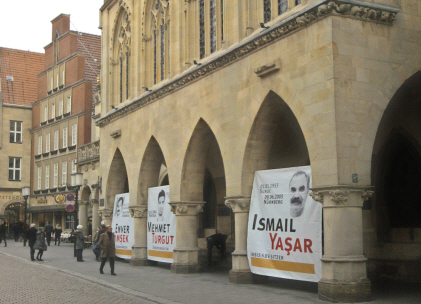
column 65, row 279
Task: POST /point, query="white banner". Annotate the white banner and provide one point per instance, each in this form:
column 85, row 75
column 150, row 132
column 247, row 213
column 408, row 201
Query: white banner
column 285, row 226
column 123, row 226
column 161, row 225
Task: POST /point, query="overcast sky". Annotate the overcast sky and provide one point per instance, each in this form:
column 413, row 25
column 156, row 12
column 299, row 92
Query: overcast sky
column 26, row 24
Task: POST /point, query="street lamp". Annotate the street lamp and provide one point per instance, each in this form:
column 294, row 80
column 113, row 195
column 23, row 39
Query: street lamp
column 26, row 191
column 76, row 182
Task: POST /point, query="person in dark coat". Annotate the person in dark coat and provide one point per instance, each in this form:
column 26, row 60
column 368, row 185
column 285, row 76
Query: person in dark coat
column 17, row 228
column 80, row 243
column 219, row 241
column 102, row 229
column 3, row 229
column 40, row 243
column 48, row 230
column 31, row 236
column 107, row 244
column 57, row 234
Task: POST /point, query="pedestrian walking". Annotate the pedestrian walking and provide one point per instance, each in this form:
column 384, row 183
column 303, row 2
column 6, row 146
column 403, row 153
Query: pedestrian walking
column 48, row 230
column 102, row 229
column 80, row 243
column 40, row 243
column 17, row 228
column 95, row 247
column 57, row 234
column 3, row 229
column 107, row 244
column 31, row 236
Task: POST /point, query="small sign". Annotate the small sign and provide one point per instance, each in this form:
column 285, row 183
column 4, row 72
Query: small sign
column 70, row 197
column 60, row 198
column 70, row 208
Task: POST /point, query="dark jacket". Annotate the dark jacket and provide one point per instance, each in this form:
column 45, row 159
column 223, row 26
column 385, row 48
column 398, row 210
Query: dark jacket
column 40, row 243
column 107, row 245
column 3, row 229
column 49, row 228
column 31, row 236
column 79, row 239
column 58, row 232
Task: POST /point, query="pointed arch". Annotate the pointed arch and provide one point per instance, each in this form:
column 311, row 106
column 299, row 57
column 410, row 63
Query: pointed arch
column 275, row 141
column 151, row 167
column 117, row 178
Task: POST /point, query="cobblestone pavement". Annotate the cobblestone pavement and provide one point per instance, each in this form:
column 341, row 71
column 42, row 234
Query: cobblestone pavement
column 60, row 278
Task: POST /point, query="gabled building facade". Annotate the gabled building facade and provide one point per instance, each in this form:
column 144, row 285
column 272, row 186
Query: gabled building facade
column 61, row 120
column 18, row 89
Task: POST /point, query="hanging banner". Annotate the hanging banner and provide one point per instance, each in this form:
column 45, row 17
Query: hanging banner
column 161, row 225
column 285, row 226
column 123, row 227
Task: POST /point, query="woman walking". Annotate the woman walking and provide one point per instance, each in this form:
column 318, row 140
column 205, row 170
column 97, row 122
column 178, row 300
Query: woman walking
column 57, row 234
column 80, row 243
column 40, row 243
column 107, row 244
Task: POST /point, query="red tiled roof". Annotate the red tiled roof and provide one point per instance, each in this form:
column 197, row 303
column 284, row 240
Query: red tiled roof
column 90, row 46
column 23, row 66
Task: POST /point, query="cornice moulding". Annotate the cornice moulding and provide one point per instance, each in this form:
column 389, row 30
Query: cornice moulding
column 346, row 8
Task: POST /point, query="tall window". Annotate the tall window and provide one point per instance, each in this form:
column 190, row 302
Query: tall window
column 122, row 53
column 69, row 104
column 202, row 28
column 267, row 10
column 212, row 19
column 211, row 26
column 39, row 178
column 282, row 6
column 47, row 176
column 39, row 144
column 74, row 168
column 55, row 175
column 14, row 168
column 56, row 140
column 53, row 111
column 15, row 131
column 159, row 27
column 63, row 79
column 74, row 135
column 64, row 173
column 47, row 143
column 51, row 83
column 65, row 137
column 45, row 113
column 60, row 108
column 70, row 221
column 162, row 45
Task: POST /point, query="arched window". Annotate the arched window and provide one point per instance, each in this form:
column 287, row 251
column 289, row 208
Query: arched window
column 269, row 13
column 160, row 31
column 211, row 24
column 267, row 10
column 121, row 54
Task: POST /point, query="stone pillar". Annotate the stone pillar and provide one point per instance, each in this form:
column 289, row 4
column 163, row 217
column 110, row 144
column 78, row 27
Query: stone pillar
column 106, row 215
column 240, row 272
column 83, row 216
column 140, row 247
column 186, row 252
column 95, row 215
column 344, row 273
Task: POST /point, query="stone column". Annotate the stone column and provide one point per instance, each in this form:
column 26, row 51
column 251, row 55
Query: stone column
column 344, row 273
column 106, row 215
column 240, row 272
column 83, row 217
column 140, row 247
column 186, row 252
column 95, row 215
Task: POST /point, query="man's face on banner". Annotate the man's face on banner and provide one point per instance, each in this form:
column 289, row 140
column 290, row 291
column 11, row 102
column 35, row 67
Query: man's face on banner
column 299, row 189
column 161, row 201
column 119, row 207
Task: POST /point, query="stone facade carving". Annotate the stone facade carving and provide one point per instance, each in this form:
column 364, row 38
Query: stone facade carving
column 317, row 196
column 242, row 202
column 348, row 9
column 339, row 196
column 138, row 211
column 366, row 195
column 88, row 152
column 105, row 213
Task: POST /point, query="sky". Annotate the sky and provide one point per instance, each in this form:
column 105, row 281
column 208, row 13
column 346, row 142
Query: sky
column 26, row 24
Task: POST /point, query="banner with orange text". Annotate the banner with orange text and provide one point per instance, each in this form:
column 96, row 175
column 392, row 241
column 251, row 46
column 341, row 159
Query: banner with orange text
column 285, row 226
column 123, row 227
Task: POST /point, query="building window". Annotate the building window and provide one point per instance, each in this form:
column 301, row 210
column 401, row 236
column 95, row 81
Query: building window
column 222, row 20
column 45, row 113
column 47, row 176
column 70, row 221
column 39, row 144
column 58, row 80
column 60, row 108
column 282, row 6
column 202, row 28
column 63, row 80
column 212, row 18
column 163, row 46
column 74, row 168
column 39, row 178
column 56, row 140
column 267, row 10
column 16, row 132
column 51, row 83
column 74, row 135
column 14, row 168
column 47, row 143
column 65, row 137
column 64, row 173
column 69, row 104
column 53, row 111
column 55, row 175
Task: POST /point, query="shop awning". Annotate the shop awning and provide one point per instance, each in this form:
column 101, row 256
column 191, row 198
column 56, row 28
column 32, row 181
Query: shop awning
column 47, row 208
